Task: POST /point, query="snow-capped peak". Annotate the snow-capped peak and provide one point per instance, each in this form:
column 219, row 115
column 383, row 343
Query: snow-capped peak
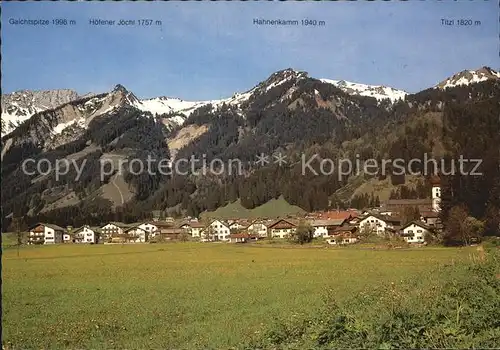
column 467, row 77
column 377, row 91
column 281, row 77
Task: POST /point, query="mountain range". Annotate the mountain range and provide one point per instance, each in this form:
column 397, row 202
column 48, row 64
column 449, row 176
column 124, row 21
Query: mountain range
column 289, row 112
column 19, row 106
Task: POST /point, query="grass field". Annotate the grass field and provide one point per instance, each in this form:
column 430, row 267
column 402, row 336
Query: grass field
column 185, row 295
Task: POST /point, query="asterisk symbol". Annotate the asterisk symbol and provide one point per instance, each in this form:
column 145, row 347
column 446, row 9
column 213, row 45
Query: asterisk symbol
column 262, row 159
column 279, row 159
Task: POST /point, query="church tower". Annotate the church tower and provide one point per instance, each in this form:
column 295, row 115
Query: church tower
column 436, row 194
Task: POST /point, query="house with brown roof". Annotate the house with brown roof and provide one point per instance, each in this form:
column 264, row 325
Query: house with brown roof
column 346, row 234
column 258, row 227
column 345, row 230
column 43, row 233
column 325, row 228
column 192, row 228
column 282, row 228
column 134, row 234
column 114, row 229
column 238, row 225
column 379, row 224
column 415, row 232
column 242, row 237
column 150, row 227
column 171, row 233
column 217, row 230
column 86, row 234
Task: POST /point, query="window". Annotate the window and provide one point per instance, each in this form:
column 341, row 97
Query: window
column 419, row 231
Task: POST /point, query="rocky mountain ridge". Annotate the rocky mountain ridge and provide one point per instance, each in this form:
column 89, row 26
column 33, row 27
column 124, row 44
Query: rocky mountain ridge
column 19, row 106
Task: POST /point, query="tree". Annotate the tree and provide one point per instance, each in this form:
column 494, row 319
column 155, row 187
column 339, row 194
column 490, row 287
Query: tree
column 462, row 228
column 303, row 233
column 409, row 214
column 474, row 229
column 208, row 233
column 98, row 235
column 184, row 236
column 19, row 234
column 367, row 231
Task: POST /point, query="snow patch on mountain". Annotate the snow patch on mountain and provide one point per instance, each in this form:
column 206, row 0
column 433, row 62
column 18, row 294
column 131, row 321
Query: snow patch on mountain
column 15, row 115
column 59, row 128
column 278, row 82
column 377, row 91
column 167, row 105
column 183, row 109
column 475, row 78
column 467, row 77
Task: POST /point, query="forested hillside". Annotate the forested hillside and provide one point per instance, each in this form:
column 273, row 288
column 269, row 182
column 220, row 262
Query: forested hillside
column 289, row 113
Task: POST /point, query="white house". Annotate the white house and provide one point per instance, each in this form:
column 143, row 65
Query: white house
column 219, row 231
column 258, row 228
column 113, row 229
column 378, row 223
column 325, row 228
column 85, row 234
column 46, row 234
column 136, row 234
column 282, row 228
column 66, row 237
column 238, row 225
column 414, row 232
column 150, row 228
column 119, row 232
column 320, row 228
column 193, row 228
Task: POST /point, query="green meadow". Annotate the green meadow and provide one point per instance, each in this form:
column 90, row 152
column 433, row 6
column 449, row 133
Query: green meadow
column 189, row 295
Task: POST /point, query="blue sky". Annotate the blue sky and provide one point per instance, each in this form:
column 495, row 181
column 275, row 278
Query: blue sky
column 209, row 50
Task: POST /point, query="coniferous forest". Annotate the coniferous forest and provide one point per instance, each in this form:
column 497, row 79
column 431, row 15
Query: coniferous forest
column 300, row 116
